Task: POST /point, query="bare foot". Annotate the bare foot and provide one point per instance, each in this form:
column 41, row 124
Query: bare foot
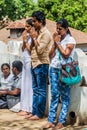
column 22, row 113
column 58, row 126
column 48, row 125
column 28, row 116
column 34, row 118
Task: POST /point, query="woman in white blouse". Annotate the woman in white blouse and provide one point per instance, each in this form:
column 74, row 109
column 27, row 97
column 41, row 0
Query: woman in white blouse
column 6, row 77
column 26, row 87
column 64, row 44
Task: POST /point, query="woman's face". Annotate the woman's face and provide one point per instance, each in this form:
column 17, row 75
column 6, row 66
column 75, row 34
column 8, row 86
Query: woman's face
column 28, row 27
column 5, row 70
column 61, row 31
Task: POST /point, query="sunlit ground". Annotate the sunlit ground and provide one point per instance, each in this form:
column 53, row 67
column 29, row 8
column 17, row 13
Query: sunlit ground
column 11, row 121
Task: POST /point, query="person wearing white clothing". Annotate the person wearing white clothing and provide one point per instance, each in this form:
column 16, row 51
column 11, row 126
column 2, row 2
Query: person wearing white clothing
column 26, row 88
column 6, row 77
column 5, row 83
column 11, row 96
column 64, row 46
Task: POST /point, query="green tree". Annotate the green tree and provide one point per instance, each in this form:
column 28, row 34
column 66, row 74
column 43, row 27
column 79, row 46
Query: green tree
column 2, row 7
column 74, row 11
column 16, row 9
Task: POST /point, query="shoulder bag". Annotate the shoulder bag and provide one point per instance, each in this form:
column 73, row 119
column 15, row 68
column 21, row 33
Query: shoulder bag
column 70, row 73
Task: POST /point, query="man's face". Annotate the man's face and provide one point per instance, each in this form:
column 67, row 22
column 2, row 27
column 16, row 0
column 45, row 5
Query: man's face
column 13, row 70
column 36, row 23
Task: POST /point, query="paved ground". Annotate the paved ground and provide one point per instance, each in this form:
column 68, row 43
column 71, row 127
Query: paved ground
column 11, row 121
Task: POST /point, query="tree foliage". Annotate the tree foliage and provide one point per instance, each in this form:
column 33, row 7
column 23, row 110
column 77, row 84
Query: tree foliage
column 16, row 9
column 74, row 11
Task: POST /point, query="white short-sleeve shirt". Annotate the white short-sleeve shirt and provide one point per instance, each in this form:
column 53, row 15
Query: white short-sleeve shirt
column 56, row 62
column 6, row 83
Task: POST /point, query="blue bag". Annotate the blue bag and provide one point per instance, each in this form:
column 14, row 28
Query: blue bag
column 70, row 73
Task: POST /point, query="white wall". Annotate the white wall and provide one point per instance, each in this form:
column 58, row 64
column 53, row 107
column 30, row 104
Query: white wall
column 10, row 52
column 78, row 96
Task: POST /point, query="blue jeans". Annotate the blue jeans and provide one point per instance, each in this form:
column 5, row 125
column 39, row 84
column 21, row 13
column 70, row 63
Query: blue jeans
column 58, row 89
column 39, row 79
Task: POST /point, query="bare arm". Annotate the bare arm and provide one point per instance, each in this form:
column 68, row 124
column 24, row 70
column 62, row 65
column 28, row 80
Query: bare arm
column 34, row 35
column 25, row 43
column 65, row 53
column 28, row 47
column 69, row 47
column 16, row 91
column 23, row 46
column 25, row 40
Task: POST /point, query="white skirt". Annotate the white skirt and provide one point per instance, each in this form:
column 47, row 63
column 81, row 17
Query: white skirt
column 26, row 88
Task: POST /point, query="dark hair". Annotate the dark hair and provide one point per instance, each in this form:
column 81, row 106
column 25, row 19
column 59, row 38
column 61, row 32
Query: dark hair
column 6, row 65
column 40, row 16
column 30, row 22
column 64, row 23
column 18, row 64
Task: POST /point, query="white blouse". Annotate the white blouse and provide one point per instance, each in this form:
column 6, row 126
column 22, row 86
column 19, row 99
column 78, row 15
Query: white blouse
column 26, row 56
column 6, row 83
column 56, row 62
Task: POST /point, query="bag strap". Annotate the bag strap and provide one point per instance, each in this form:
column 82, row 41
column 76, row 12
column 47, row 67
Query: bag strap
column 59, row 56
column 58, row 52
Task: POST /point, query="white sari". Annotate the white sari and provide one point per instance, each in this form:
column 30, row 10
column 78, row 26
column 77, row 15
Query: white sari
column 26, row 87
